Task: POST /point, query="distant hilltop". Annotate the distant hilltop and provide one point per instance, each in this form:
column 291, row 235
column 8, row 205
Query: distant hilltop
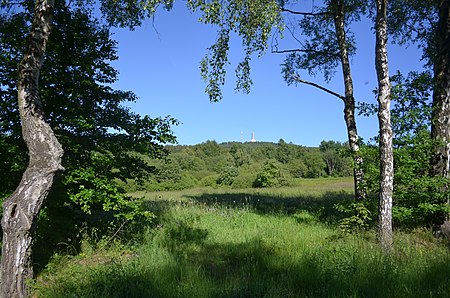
column 229, row 144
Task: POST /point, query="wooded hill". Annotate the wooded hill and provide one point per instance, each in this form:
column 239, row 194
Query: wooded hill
column 244, row 165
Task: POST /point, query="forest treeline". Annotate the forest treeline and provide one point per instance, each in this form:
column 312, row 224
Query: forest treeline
column 244, row 165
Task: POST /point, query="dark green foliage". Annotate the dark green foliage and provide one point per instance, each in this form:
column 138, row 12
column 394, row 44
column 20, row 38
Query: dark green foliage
column 411, row 108
column 286, row 152
column 419, row 199
column 103, row 140
column 315, row 163
column 297, row 168
column 245, row 179
column 318, row 51
column 208, row 149
column 270, row 175
column 413, row 22
column 212, row 154
column 240, row 155
column 370, row 153
column 358, row 216
column 188, row 161
column 227, row 176
column 12, row 163
column 412, row 111
column 129, row 13
column 169, row 171
column 334, row 155
column 209, row 181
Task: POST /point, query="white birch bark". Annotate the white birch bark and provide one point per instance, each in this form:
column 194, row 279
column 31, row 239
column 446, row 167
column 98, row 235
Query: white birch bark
column 385, row 234
column 349, row 101
column 21, row 209
column 440, row 129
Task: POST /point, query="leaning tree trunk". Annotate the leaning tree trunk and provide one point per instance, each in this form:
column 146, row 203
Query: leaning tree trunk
column 385, row 235
column 440, row 128
column 349, row 101
column 45, row 153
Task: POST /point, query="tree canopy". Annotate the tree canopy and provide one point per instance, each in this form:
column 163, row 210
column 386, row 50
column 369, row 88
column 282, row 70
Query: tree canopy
column 100, row 135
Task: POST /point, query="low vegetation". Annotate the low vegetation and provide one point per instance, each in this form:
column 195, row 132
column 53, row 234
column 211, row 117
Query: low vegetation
column 277, row 242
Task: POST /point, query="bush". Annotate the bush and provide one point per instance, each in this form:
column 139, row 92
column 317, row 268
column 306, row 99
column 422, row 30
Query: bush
column 199, row 175
column 227, row 176
column 245, row 179
column 271, row 175
column 210, row 181
column 358, row 215
column 419, row 200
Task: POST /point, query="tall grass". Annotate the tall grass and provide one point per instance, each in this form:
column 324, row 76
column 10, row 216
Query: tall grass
column 230, row 244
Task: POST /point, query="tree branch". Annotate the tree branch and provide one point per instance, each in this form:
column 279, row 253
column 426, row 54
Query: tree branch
column 298, row 79
column 288, row 51
column 305, row 13
column 305, row 51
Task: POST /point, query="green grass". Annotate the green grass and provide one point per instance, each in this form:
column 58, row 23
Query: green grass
column 253, row 243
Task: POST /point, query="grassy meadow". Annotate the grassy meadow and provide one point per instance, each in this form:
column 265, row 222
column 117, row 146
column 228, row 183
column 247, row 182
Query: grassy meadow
column 280, row 242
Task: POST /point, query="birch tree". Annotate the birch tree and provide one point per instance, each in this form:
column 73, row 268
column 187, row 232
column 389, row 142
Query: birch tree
column 385, row 234
column 328, row 43
column 440, row 128
column 45, row 153
column 20, row 210
column 441, row 96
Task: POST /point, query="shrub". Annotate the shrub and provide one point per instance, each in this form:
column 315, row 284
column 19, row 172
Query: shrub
column 210, row 181
column 245, row 179
column 358, row 216
column 227, row 176
column 271, row 175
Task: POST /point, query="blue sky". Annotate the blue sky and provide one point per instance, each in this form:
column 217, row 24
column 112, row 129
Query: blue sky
column 160, row 63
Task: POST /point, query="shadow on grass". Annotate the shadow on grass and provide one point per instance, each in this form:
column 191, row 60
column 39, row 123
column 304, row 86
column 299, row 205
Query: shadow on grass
column 254, row 268
column 321, row 206
column 181, row 262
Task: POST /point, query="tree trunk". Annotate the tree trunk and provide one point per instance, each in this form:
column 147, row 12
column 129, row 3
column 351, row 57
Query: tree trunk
column 385, row 235
column 440, row 128
column 21, row 209
column 349, row 101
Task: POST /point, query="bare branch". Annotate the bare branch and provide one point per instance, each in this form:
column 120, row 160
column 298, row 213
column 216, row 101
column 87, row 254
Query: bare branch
column 291, row 30
column 298, row 79
column 305, row 13
column 289, row 51
column 305, row 51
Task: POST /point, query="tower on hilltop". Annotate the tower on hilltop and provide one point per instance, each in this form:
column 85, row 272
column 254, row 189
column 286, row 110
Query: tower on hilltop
column 253, row 140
